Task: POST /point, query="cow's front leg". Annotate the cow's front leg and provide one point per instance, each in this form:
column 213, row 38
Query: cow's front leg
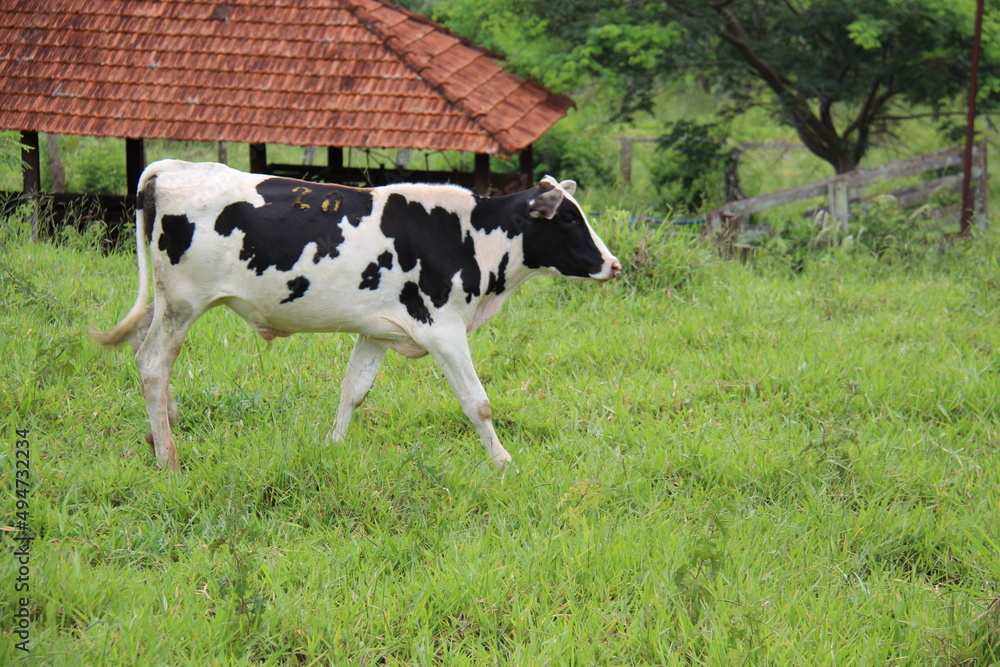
column 453, row 356
column 361, row 370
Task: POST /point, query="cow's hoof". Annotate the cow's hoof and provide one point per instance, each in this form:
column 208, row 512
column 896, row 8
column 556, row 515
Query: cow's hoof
column 503, row 463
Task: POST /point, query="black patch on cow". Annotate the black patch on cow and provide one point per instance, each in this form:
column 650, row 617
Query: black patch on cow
column 498, row 281
column 297, row 287
column 372, row 274
column 176, row 232
column 563, row 243
column 436, row 240
column 146, row 200
column 508, row 213
column 370, row 277
column 415, row 306
column 294, row 214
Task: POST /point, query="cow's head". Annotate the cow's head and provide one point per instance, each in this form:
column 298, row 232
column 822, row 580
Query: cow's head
column 559, row 240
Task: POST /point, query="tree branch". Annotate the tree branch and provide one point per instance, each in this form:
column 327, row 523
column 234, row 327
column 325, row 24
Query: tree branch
column 684, row 10
column 818, row 137
column 871, row 106
column 929, row 114
column 793, row 9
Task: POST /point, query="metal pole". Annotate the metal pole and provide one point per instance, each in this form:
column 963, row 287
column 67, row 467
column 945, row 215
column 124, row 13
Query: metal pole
column 970, row 129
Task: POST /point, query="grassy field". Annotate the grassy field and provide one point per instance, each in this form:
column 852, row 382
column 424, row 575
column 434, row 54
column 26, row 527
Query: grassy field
column 773, row 463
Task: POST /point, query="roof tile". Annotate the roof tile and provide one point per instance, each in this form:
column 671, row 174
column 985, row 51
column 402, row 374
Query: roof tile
column 355, row 73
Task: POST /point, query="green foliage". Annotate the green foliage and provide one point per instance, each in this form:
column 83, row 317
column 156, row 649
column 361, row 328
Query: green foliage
column 10, row 150
column 98, row 167
column 841, row 74
column 565, row 45
column 689, row 165
column 879, row 229
column 577, row 148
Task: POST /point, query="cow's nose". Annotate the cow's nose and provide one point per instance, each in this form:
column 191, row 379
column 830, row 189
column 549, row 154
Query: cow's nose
column 616, row 268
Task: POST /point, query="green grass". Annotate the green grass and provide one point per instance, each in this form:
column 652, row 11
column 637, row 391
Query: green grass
column 716, row 464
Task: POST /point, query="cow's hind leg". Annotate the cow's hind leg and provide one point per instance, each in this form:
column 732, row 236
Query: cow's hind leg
column 155, row 359
column 136, row 342
column 361, row 370
column 453, row 356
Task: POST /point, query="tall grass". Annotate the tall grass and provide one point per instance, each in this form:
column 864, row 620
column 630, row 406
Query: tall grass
column 716, row 464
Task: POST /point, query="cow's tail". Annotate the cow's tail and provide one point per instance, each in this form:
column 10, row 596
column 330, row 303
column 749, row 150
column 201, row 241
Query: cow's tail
column 130, row 323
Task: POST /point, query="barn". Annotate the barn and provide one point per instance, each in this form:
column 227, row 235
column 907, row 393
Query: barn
column 336, row 74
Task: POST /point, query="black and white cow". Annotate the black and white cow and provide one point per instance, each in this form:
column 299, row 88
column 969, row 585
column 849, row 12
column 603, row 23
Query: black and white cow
column 413, row 268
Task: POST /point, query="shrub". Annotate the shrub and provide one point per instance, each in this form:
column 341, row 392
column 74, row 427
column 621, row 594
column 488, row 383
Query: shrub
column 689, row 165
column 98, row 166
column 578, row 148
column 879, row 228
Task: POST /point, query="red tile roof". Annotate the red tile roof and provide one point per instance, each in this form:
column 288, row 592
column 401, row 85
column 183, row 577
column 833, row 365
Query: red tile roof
column 357, row 73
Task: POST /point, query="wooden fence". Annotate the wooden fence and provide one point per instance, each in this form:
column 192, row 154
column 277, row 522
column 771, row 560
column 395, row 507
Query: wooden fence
column 843, row 189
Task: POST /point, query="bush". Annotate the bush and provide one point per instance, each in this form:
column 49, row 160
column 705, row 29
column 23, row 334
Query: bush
column 97, row 166
column 577, row 148
column 879, row 228
column 689, row 165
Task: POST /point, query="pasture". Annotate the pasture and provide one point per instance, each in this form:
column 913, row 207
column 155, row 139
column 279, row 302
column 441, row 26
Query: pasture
column 716, row 463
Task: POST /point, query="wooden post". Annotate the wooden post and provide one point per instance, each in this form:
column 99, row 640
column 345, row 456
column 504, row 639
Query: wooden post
column 837, row 191
column 334, row 163
column 57, row 172
column 32, row 176
column 335, row 156
column 731, row 180
column 626, row 160
column 258, row 158
column 135, row 162
column 403, row 157
column 526, row 167
column 970, row 126
column 224, row 152
column 481, row 174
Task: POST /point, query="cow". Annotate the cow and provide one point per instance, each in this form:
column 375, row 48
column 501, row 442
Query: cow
column 408, row 267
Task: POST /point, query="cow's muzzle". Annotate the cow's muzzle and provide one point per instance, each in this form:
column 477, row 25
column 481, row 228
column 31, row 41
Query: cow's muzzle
column 610, row 270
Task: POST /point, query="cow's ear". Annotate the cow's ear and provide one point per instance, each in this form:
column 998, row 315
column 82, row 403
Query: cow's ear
column 569, row 187
column 547, row 203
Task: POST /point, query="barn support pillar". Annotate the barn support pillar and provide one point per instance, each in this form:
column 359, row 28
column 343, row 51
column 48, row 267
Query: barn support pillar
column 135, row 162
column 526, row 167
column 32, row 176
column 481, row 174
column 258, row 158
column 335, row 156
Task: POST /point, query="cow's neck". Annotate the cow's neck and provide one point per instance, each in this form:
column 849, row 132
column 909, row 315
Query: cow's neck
column 501, row 253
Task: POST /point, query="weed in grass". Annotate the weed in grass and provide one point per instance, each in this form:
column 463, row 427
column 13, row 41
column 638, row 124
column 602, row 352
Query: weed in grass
column 235, row 578
column 583, row 498
column 705, row 561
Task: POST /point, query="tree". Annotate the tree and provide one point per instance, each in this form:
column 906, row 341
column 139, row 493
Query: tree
column 840, row 72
